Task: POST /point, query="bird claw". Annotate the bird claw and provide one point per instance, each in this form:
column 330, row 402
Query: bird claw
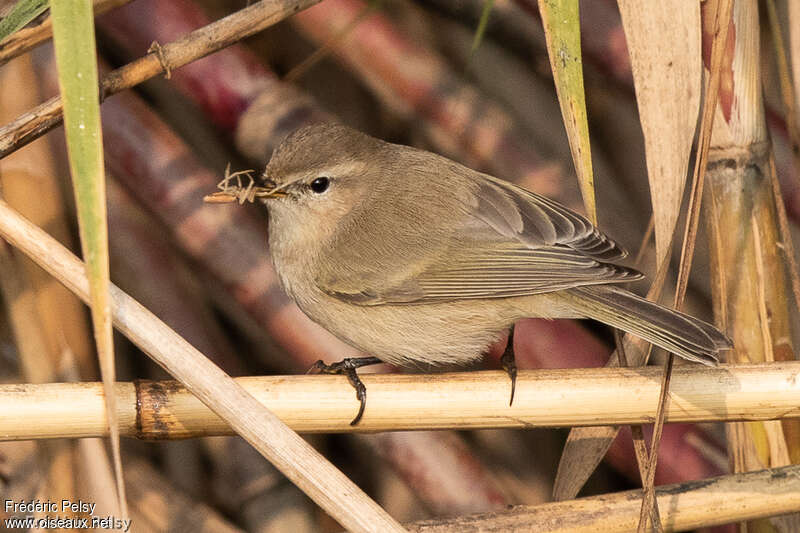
column 347, row 367
column 509, row 364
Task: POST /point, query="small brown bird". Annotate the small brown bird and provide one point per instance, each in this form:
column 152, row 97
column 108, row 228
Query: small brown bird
column 411, row 257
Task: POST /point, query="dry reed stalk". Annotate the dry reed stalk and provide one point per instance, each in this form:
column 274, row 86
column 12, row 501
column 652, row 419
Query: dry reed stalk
column 463, row 400
column 749, row 274
column 292, row 455
column 585, row 447
column 605, row 48
column 715, row 17
column 29, row 37
column 223, row 85
column 233, row 87
column 790, row 117
column 162, row 59
column 685, row 506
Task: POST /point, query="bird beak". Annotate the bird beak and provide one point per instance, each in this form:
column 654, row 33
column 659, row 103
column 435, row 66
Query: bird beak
column 271, row 189
column 239, row 193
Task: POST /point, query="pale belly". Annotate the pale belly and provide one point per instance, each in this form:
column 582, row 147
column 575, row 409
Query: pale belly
column 441, row 333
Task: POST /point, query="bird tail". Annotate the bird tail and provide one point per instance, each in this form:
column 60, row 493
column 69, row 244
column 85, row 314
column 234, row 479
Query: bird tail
column 671, row 330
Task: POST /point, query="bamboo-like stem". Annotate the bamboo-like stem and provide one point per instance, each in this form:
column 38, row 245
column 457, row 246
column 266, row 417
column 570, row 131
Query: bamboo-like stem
column 749, row 276
column 163, row 58
column 461, row 400
column 293, row 456
column 684, row 506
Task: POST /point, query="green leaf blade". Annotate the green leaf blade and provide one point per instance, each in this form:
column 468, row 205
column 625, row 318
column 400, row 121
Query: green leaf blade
column 22, row 13
column 561, row 22
column 73, row 38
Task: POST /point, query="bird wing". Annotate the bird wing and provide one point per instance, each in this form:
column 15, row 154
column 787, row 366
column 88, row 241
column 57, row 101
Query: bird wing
column 510, row 243
column 536, row 220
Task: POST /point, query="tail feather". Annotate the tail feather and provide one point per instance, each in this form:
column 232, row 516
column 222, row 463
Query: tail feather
column 676, row 332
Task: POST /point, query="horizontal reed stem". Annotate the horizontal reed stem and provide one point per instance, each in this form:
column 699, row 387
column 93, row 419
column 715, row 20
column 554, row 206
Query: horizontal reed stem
column 323, row 403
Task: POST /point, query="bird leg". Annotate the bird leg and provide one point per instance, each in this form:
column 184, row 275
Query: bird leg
column 509, row 363
column 347, row 367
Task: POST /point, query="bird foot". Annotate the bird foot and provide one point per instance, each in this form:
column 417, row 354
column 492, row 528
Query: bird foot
column 509, row 364
column 348, row 367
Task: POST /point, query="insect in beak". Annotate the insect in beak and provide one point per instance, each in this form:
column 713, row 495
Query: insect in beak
column 231, row 189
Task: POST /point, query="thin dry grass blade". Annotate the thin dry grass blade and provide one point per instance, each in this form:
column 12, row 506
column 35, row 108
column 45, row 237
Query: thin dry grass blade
column 664, row 44
column 585, row 447
column 637, row 433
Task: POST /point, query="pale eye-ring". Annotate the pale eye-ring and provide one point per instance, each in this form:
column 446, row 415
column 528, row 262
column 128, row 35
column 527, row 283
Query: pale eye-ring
column 320, row 185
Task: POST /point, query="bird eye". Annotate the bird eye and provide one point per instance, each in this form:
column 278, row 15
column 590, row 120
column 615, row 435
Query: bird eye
column 320, row 185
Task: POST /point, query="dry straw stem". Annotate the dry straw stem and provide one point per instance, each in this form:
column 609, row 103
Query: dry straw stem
column 164, row 58
column 684, row 506
column 717, row 17
column 28, row 38
column 326, row 485
column 462, row 400
column 748, row 268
